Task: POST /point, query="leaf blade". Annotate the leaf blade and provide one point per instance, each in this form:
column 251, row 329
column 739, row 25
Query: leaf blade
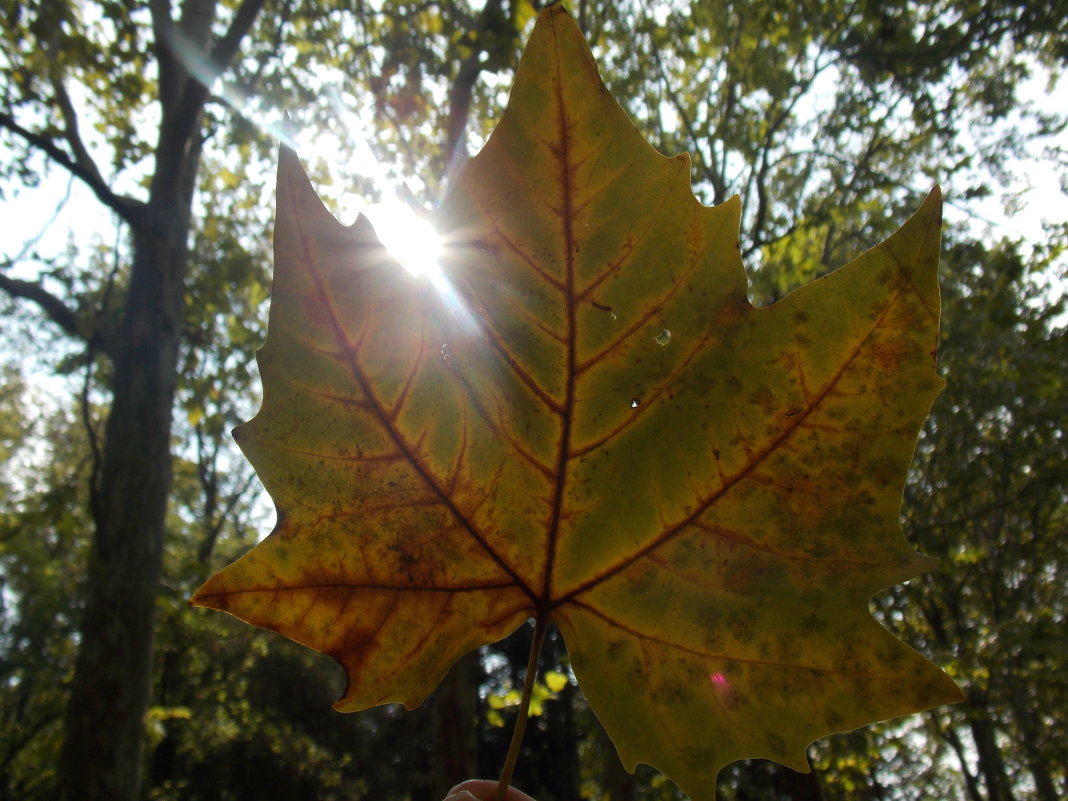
column 593, row 426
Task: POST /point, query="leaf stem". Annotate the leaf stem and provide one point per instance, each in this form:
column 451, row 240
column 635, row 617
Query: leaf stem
column 540, row 625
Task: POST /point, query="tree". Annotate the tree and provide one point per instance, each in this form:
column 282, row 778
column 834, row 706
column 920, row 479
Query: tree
column 993, row 506
column 46, row 467
column 131, row 478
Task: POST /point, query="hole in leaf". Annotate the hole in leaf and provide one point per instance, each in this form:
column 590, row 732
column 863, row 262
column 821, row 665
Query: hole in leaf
column 606, row 309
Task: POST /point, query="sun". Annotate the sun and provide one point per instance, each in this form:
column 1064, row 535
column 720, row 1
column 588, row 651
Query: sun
column 409, row 238
column 414, row 243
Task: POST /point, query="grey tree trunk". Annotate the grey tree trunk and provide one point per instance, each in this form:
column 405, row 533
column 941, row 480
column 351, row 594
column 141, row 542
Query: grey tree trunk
column 1031, row 728
column 111, row 690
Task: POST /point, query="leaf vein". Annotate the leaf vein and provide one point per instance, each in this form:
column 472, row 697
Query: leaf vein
column 382, row 415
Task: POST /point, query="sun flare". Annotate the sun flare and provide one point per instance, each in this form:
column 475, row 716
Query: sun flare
column 409, row 238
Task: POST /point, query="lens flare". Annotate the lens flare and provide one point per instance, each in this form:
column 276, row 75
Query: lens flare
column 410, row 239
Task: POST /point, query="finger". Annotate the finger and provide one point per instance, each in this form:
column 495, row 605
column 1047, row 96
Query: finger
column 483, row 790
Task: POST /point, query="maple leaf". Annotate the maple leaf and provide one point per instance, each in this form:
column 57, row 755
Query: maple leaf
column 592, row 426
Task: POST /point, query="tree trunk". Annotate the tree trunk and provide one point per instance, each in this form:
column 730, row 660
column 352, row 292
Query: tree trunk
column 566, row 776
column 454, row 757
column 102, row 751
column 111, row 690
column 991, row 763
column 1031, row 730
column 949, row 734
column 799, row 786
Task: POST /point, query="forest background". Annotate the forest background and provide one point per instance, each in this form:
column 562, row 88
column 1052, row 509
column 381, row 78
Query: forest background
column 130, row 314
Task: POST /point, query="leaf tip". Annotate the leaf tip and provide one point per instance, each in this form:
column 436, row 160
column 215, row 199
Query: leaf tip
column 213, row 593
column 554, row 7
column 196, row 600
column 287, row 131
column 932, row 204
column 956, row 693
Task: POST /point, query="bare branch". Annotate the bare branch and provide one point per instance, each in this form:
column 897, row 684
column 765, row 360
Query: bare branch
column 30, row 245
column 126, row 207
column 702, row 163
column 760, row 176
column 96, row 334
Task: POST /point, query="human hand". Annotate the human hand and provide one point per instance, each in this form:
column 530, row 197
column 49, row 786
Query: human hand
column 483, row 790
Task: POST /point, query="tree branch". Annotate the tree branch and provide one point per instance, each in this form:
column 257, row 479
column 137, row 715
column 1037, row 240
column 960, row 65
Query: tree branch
column 249, row 86
column 462, row 89
column 1054, row 477
column 196, row 90
column 59, row 312
column 126, row 207
column 684, row 117
column 163, row 38
column 226, row 48
column 72, row 134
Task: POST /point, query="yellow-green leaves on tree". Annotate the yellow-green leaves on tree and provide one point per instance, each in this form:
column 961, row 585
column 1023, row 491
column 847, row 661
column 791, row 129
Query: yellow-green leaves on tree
column 585, row 421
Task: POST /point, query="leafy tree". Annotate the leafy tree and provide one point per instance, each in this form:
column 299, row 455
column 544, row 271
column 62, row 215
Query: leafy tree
column 41, row 547
column 991, row 490
column 108, row 50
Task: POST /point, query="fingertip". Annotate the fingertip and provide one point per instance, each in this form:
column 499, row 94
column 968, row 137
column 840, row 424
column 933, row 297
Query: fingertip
column 477, row 789
column 483, row 790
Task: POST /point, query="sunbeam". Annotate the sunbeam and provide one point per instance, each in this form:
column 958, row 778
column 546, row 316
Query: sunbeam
column 409, row 238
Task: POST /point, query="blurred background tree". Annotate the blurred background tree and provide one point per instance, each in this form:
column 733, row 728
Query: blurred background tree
column 128, row 357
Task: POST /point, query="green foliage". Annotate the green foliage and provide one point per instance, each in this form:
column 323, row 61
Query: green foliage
column 42, row 551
